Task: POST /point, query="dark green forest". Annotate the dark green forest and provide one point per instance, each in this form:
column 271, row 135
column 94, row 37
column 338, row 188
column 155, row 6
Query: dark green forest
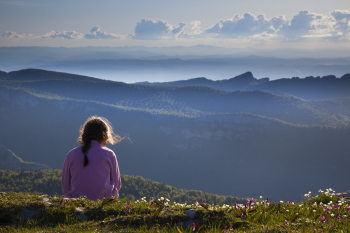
column 134, row 187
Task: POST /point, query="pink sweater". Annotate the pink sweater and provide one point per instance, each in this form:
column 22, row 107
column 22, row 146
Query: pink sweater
column 101, row 176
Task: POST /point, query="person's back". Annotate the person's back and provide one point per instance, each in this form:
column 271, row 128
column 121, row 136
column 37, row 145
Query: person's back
column 91, row 170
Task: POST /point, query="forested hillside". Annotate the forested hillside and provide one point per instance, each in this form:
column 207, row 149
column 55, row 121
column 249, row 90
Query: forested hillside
column 240, row 143
column 49, row 182
column 10, row 161
column 194, row 101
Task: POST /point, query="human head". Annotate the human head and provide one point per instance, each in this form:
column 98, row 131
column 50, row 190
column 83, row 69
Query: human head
column 99, row 129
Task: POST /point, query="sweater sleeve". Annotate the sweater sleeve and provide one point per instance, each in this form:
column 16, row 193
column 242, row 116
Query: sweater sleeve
column 115, row 173
column 65, row 180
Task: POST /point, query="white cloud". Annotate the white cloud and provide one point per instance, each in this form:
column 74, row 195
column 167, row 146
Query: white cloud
column 342, row 19
column 11, row 34
column 241, row 26
column 153, row 30
column 96, row 33
column 264, row 36
column 279, row 21
column 304, row 25
column 196, row 27
column 301, row 24
column 63, row 34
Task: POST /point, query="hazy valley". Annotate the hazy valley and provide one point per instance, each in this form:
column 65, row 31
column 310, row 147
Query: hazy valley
column 239, row 143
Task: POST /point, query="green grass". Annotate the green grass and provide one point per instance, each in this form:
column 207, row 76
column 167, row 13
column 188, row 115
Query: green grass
column 324, row 212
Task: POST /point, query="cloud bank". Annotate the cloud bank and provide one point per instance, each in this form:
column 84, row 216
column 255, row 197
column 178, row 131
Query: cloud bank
column 63, row 34
column 10, row 34
column 240, row 26
column 96, row 33
column 303, row 26
column 153, row 30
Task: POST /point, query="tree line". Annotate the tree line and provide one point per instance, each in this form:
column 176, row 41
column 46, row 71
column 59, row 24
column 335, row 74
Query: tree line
column 134, row 187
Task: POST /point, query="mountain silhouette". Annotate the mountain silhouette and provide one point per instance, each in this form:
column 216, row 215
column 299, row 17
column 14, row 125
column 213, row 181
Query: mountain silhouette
column 308, row 88
column 240, row 82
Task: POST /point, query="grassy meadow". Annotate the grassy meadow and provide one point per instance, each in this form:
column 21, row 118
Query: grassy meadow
column 324, row 212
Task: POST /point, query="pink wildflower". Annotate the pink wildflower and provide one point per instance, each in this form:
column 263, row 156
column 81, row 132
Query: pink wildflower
column 193, row 226
column 229, row 229
column 286, row 222
column 250, row 201
column 127, row 208
column 151, row 203
column 111, row 221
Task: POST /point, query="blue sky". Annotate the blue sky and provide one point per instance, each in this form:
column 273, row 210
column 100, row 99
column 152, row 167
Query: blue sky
column 266, row 24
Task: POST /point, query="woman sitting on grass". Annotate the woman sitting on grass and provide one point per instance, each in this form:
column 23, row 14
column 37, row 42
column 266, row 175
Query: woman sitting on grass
column 92, row 170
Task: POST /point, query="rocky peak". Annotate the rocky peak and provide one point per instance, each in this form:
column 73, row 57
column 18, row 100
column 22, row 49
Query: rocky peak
column 245, row 77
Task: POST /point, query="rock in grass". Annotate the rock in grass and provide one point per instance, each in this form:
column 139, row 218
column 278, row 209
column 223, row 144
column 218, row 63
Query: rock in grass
column 29, row 214
column 191, row 213
column 80, row 213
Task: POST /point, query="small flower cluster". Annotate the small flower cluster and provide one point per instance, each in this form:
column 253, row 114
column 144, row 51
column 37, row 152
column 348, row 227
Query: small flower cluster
column 317, row 210
column 142, row 200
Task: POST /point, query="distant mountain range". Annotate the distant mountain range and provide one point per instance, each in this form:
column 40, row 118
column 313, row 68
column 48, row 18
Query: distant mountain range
column 309, row 88
column 240, row 82
column 138, row 63
column 190, row 101
column 237, row 143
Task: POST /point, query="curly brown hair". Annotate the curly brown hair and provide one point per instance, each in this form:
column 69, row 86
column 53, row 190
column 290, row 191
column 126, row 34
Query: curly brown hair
column 99, row 129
